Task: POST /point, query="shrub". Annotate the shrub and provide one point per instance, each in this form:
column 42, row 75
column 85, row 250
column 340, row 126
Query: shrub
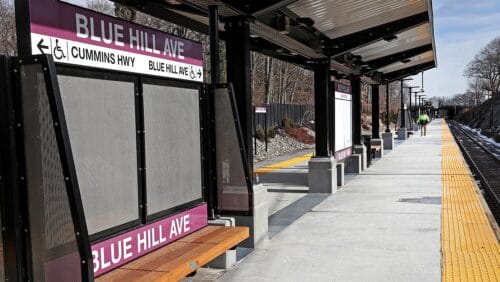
column 286, row 122
column 487, row 132
column 271, row 132
column 393, row 117
column 260, row 133
column 301, row 135
column 497, row 138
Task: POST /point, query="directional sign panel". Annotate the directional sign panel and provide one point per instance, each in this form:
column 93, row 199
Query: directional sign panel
column 261, row 110
column 343, row 122
column 73, row 35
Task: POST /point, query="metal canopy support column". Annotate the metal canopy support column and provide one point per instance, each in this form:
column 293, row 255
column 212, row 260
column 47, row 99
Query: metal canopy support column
column 356, row 109
column 359, row 149
column 403, row 124
column 23, row 27
column 208, row 106
column 387, row 103
column 322, row 175
column 403, row 130
column 238, row 73
column 409, row 105
column 214, row 44
column 321, row 92
column 387, row 135
column 331, row 118
column 375, row 112
column 416, row 105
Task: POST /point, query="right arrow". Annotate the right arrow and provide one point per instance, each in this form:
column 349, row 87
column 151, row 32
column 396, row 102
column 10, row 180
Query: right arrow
column 199, row 73
column 42, row 47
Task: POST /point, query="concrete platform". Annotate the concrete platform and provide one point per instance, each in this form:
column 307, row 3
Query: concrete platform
column 383, row 225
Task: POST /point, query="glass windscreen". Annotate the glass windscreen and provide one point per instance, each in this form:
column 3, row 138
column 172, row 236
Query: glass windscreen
column 100, row 115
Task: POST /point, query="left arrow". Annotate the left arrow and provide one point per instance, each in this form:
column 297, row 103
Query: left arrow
column 42, row 47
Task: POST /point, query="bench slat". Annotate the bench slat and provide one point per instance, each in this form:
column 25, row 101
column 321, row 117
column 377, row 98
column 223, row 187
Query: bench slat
column 180, row 258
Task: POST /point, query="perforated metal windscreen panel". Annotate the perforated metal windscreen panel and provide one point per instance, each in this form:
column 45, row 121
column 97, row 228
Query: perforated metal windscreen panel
column 100, row 115
column 53, row 240
column 172, row 140
column 232, row 190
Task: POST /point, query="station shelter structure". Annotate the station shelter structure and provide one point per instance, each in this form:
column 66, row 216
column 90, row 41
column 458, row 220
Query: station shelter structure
column 113, row 147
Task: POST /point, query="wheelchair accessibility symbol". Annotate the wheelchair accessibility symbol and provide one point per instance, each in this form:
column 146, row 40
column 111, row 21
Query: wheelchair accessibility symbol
column 58, row 52
column 192, row 74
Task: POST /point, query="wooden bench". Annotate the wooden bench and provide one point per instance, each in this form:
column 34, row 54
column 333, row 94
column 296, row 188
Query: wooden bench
column 180, row 258
column 374, row 149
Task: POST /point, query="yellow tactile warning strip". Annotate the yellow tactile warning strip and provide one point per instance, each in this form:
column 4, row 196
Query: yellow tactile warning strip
column 283, row 164
column 469, row 247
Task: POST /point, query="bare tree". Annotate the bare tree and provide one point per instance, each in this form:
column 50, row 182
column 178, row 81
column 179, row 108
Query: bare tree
column 268, row 81
column 102, row 6
column 124, row 12
column 476, row 90
column 486, row 67
column 8, row 44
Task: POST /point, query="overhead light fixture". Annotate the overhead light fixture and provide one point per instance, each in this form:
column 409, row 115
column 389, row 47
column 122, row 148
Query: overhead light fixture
column 305, row 21
column 404, row 61
column 390, row 38
column 254, row 36
column 173, row 2
column 283, row 24
column 357, row 57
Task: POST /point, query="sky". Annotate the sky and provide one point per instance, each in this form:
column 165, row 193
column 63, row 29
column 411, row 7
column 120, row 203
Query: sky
column 461, row 29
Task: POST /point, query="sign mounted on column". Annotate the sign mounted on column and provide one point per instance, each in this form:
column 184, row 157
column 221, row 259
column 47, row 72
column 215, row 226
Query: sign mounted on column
column 77, row 36
column 343, row 121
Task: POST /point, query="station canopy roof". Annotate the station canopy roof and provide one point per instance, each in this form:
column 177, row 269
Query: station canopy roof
column 382, row 40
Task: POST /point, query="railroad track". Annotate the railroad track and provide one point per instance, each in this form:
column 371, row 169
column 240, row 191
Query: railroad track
column 484, row 164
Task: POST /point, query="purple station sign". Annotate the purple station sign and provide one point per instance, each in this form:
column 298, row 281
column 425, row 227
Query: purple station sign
column 126, row 247
column 78, row 36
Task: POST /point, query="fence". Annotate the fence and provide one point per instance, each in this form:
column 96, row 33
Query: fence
column 276, row 113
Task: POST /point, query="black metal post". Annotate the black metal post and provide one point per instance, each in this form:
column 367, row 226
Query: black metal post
column 356, row 109
column 10, row 194
column 410, row 91
column 409, row 104
column 416, row 109
column 254, row 132
column 375, row 112
column 321, row 92
column 387, row 103
column 23, row 27
column 331, row 117
column 403, row 124
column 238, row 73
column 213, row 18
column 265, row 127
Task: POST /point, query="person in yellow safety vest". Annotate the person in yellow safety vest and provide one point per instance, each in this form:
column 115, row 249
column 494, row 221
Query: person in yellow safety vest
column 423, row 120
